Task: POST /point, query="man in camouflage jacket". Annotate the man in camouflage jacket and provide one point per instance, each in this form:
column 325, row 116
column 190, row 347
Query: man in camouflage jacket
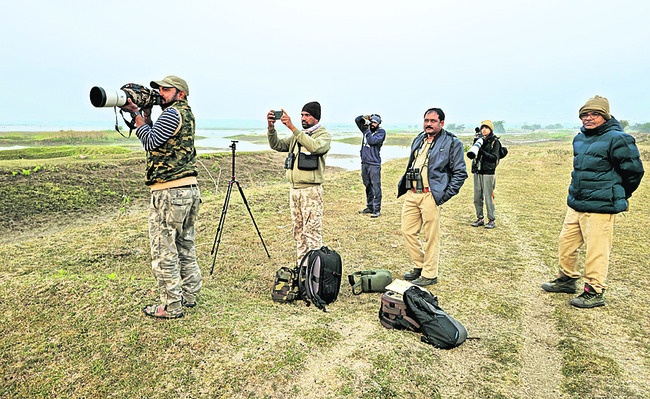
column 306, row 195
column 175, row 196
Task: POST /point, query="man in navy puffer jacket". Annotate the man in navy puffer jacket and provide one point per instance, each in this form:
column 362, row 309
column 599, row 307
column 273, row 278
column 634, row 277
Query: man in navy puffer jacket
column 606, row 170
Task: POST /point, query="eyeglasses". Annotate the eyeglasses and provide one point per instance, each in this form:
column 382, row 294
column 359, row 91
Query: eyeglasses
column 593, row 115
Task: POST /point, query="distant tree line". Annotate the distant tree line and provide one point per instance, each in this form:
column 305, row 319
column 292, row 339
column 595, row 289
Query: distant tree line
column 637, row 127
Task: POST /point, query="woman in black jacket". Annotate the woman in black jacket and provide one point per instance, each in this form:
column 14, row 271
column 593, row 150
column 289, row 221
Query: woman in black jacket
column 483, row 167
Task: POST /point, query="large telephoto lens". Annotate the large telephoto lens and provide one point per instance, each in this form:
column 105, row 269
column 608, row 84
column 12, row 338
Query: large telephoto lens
column 473, row 151
column 101, row 98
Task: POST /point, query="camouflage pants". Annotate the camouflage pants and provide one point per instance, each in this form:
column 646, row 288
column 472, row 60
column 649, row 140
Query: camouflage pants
column 307, row 214
column 172, row 215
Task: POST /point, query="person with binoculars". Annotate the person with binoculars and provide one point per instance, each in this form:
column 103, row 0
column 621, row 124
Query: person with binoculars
column 305, row 164
column 175, row 196
column 485, row 158
column 373, row 139
column 435, row 172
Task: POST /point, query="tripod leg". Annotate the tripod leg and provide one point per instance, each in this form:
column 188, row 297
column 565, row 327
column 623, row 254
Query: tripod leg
column 252, row 218
column 222, row 221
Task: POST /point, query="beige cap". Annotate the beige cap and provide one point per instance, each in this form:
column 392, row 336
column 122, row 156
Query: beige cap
column 596, row 104
column 172, row 81
column 489, row 124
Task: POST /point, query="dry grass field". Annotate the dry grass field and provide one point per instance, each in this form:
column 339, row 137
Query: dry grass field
column 71, row 324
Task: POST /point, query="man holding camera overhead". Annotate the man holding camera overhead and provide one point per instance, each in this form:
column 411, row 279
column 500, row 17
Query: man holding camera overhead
column 305, row 164
column 485, row 154
column 175, row 196
column 373, row 138
column 436, row 171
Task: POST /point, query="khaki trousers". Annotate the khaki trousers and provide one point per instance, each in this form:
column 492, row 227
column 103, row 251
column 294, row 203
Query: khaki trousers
column 596, row 231
column 420, row 214
column 307, row 216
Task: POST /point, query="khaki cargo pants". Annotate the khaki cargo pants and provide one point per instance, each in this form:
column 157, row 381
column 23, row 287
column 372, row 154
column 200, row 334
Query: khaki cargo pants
column 421, row 218
column 307, row 214
column 172, row 216
column 596, row 232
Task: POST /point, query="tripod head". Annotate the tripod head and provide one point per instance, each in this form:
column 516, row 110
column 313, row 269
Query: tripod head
column 233, row 146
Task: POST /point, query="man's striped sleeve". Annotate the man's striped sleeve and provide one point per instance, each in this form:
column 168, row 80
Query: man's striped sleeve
column 162, row 130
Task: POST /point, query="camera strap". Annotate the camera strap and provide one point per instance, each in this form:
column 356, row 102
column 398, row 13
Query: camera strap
column 117, row 126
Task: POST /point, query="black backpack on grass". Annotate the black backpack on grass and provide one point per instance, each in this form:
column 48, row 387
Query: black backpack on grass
column 437, row 327
column 319, row 277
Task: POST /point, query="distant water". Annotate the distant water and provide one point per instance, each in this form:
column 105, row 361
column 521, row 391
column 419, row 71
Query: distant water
column 217, row 136
column 341, row 154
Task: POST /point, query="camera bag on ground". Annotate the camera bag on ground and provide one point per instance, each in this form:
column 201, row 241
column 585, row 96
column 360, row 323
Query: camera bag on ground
column 369, row 281
column 319, row 277
column 438, row 328
column 393, row 314
column 285, row 288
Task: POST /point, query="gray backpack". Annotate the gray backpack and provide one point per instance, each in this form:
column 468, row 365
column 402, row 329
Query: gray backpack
column 438, row 328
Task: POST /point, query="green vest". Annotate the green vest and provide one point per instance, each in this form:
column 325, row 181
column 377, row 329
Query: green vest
column 175, row 158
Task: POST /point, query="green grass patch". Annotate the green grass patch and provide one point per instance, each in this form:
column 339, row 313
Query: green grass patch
column 61, row 151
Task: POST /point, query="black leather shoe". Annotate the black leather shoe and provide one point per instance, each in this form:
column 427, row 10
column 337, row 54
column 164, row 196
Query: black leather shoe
column 413, row 274
column 367, row 210
column 423, row 281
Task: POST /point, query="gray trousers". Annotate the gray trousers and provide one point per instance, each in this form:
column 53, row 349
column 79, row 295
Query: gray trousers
column 172, row 216
column 484, row 192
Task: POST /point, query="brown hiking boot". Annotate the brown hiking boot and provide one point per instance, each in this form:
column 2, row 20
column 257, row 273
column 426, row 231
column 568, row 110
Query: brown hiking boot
column 563, row 283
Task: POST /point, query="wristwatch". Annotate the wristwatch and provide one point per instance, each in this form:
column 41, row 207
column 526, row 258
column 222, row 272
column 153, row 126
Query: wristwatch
column 136, row 113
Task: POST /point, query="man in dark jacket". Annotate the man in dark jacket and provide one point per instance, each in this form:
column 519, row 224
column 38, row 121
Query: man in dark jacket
column 483, row 166
column 606, row 170
column 436, row 171
column 373, row 139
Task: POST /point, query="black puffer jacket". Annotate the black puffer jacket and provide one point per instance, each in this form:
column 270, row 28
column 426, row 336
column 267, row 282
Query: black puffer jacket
column 606, row 169
column 486, row 160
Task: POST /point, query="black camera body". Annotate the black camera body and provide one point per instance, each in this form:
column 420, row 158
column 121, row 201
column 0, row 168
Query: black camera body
column 288, row 162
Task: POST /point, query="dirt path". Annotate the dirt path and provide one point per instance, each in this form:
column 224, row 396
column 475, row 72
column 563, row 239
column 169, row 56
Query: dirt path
column 541, row 361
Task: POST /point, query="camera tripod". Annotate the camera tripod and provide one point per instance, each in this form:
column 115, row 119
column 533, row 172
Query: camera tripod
column 222, row 219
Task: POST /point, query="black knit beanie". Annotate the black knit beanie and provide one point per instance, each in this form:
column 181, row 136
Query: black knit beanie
column 313, row 108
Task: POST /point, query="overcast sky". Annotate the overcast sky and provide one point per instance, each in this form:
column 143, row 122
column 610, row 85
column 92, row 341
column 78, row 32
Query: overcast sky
column 512, row 60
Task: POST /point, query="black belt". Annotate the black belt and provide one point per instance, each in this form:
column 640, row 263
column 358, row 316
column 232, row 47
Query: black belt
column 186, row 186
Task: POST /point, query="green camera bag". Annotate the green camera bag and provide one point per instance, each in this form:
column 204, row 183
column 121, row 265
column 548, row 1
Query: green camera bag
column 285, row 287
column 369, row 281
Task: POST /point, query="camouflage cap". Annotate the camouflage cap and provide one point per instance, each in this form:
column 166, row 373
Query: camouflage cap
column 172, row 81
